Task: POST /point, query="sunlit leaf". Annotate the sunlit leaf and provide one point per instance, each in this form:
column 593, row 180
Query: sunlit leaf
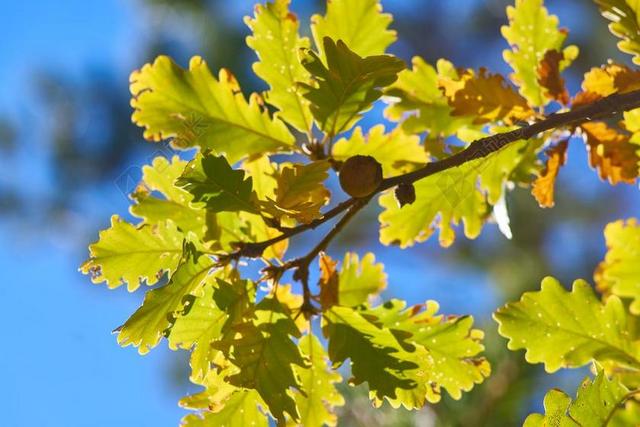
column 445, row 350
column 216, row 390
column 213, row 182
column 128, row 254
column 611, row 153
column 196, row 330
column 163, row 305
column 568, row 329
column 360, row 278
column 619, row 273
column 264, row 353
column 195, row 109
column 160, row 177
column 448, row 198
column 417, row 100
column 360, row 24
column 263, row 175
column 488, row 98
column 318, row 381
column 531, row 33
column 594, row 405
column 372, row 351
column 606, row 80
column 276, row 41
column 235, row 298
column 543, row 188
column 347, row 85
column 625, row 23
column 396, row 151
column 240, row 410
column 300, row 192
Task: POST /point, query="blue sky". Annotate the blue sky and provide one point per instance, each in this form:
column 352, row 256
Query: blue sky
column 60, row 365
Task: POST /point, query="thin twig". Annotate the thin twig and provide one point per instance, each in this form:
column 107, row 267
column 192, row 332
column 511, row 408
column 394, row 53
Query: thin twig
column 480, row 148
column 301, row 264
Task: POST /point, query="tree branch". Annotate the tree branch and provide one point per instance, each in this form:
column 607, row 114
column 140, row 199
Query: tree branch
column 480, row 148
column 302, row 264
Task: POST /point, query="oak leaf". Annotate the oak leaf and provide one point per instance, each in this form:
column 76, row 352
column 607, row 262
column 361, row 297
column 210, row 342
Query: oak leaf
column 611, row 153
column 488, row 98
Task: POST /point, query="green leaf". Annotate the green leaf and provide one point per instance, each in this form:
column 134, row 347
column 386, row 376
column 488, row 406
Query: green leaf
column 196, row 109
column 236, row 299
column 213, row 182
column 160, row 177
column 318, row 381
column 163, row 305
column 417, row 100
column 128, row 254
column 216, row 390
column 619, row 273
column 446, row 351
column 531, row 33
column 196, row 330
column 568, row 329
column 262, row 173
column 407, row 354
column 240, row 410
column 594, row 405
column 373, row 352
column 300, row 192
column 264, row 353
column 276, row 41
column 396, row 151
column 449, row 197
column 347, row 85
column 360, row 24
column 360, row 278
column 625, row 23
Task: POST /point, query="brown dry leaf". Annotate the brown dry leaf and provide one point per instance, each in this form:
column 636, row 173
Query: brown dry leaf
column 607, row 80
column 489, row 98
column 549, row 76
column 610, row 152
column 329, row 282
column 544, row 186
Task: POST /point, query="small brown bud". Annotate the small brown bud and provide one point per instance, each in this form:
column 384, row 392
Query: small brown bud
column 360, row 176
column 405, row 194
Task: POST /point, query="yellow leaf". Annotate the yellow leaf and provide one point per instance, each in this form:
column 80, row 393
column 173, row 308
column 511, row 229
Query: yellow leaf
column 488, row 98
column 360, row 24
column 300, row 192
column 195, row 109
column 276, row 41
column 531, row 32
column 619, row 273
column 396, row 151
column 128, row 254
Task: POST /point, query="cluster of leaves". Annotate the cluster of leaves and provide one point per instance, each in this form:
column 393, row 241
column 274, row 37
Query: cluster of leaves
column 255, row 346
column 568, row 329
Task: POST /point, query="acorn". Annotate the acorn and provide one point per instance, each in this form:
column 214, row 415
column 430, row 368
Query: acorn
column 360, row 176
